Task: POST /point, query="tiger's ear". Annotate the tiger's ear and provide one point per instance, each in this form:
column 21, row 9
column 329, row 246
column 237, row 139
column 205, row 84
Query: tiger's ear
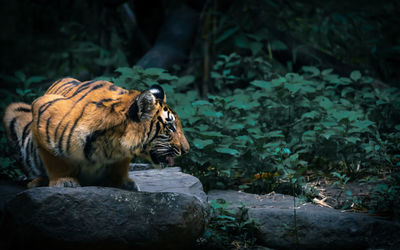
column 158, row 92
column 142, row 108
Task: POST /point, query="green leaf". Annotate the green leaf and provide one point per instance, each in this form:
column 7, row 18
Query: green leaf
column 328, row 133
column 278, row 45
column 262, row 84
column 352, row 139
column 345, row 114
column 200, row 144
column 363, row 124
column 185, row 80
column 325, row 102
column 241, row 41
column 226, row 34
column 236, row 126
column 326, row 72
column 311, row 115
column 125, row 71
column 275, row 134
column 210, row 113
column 309, row 136
column 35, row 79
column 154, row 71
column 20, row 75
column 211, row 133
column 200, row 103
column 355, row 75
column 244, row 138
column 230, row 151
column 311, row 69
column 346, row 91
column 255, row 47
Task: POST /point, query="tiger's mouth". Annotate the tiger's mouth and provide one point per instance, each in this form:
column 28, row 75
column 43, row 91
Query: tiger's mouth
column 167, row 159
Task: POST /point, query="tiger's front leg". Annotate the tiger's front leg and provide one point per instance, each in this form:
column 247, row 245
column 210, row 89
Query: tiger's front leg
column 119, row 176
column 60, row 172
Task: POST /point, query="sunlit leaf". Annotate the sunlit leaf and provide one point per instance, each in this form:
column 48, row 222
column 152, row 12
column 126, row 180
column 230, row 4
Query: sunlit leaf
column 355, row 75
column 226, row 34
column 200, row 144
column 230, row 151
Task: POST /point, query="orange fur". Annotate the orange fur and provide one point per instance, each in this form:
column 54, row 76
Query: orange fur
column 87, row 133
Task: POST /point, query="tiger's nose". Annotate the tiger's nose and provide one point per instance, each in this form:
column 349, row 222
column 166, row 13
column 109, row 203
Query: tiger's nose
column 185, row 147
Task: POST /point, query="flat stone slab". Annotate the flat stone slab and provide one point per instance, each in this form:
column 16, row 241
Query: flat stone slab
column 168, row 180
column 101, row 218
column 169, row 212
column 313, row 227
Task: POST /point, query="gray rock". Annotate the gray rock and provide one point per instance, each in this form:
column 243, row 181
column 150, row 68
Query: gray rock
column 101, row 218
column 317, row 227
column 168, row 180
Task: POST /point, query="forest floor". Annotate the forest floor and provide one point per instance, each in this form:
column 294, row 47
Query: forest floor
column 352, row 196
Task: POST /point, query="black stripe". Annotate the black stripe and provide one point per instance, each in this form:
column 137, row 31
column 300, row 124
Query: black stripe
column 13, row 133
column 22, row 109
column 151, row 128
column 61, row 139
column 30, row 150
column 59, row 124
column 72, row 85
column 90, row 139
column 100, row 103
column 113, row 106
column 47, row 130
column 158, row 127
column 62, row 86
column 75, row 123
column 48, row 104
column 54, row 84
column 83, row 86
column 35, row 159
column 45, row 106
column 25, row 131
column 160, row 119
column 95, row 87
column 27, row 152
column 66, row 90
column 112, row 87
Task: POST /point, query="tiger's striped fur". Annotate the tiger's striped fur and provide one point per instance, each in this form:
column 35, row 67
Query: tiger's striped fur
column 87, row 133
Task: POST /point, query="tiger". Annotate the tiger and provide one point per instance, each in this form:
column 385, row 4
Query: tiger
column 87, row 133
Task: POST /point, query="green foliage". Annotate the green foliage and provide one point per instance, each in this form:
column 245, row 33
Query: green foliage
column 229, row 227
column 273, row 131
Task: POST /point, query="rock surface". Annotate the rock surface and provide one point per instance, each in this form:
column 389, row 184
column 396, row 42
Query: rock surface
column 168, row 180
column 170, row 212
column 101, row 218
column 317, row 227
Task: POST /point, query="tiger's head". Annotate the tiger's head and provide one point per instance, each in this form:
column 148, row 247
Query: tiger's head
column 163, row 135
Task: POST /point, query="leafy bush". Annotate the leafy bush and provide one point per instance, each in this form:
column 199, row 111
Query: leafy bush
column 277, row 127
column 228, row 228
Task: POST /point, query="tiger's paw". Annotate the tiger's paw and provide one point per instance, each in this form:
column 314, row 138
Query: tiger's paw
column 38, row 182
column 129, row 185
column 64, row 182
